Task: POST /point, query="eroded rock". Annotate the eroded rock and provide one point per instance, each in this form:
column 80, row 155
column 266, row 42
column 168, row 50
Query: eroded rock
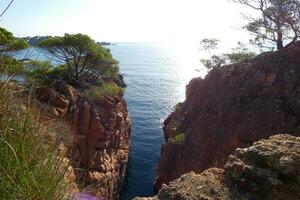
column 232, row 107
column 268, row 170
column 100, row 132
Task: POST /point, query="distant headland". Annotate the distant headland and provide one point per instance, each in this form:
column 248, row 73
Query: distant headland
column 35, row 40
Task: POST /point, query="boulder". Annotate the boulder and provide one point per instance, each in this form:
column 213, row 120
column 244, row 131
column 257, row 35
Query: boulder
column 267, row 170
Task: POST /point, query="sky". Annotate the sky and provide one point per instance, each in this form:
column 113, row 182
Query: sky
column 170, row 21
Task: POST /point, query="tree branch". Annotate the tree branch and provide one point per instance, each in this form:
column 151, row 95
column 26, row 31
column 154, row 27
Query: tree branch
column 6, row 8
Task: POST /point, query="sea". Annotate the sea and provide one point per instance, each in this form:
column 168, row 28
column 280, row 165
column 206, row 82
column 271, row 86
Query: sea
column 156, row 76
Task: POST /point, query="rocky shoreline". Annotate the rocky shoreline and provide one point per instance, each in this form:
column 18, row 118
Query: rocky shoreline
column 97, row 134
column 269, row 170
column 233, row 107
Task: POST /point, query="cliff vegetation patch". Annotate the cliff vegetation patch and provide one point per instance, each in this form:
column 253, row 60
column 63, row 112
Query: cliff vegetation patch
column 179, row 138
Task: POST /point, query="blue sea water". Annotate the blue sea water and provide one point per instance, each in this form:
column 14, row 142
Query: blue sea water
column 156, row 76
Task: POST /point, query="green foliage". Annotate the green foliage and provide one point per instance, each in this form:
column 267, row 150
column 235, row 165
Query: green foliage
column 179, row 138
column 10, row 66
column 29, row 164
column 9, row 43
column 111, row 71
column 106, row 89
column 213, row 62
column 238, row 54
column 277, row 22
column 85, row 59
column 34, row 41
column 43, row 72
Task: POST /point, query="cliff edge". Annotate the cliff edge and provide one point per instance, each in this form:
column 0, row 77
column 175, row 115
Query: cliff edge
column 231, row 107
column 96, row 135
column 267, row 170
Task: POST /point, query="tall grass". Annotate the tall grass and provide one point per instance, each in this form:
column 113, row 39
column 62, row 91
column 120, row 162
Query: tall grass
column 29, row 164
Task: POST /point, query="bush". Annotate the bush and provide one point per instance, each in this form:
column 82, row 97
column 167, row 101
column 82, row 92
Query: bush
column 106, row 89
column 42, row 72
column 10, row 66
column 85, row 59
column 29, row 164
column 179, row 138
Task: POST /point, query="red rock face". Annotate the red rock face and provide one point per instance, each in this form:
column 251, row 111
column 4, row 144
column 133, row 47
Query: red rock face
column 232, row 107
column 100, row 131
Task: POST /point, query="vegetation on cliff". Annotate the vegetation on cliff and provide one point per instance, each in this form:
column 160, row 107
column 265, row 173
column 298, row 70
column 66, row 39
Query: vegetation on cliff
column 107, row 89
column 231, row 107
column 84, row 60
column 239, row 54
column 30, row 166
column 8, row 46
column 275, row 24
column 177, row 139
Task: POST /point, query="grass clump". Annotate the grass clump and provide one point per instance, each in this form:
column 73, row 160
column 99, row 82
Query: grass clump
column 179, row 138
column 105, row 89
column 29, row 164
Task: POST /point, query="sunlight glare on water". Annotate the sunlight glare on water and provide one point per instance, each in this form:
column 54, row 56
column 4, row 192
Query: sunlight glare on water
column 156, row 76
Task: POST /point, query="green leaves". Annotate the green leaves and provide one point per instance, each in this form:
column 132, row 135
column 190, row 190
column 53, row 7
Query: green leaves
column 105, row 89
column 9, row 43
column 278, row 22
column 10, row 66
column 30, row 166
column 179, row 138
column 43, row 72
column 5, row 37
column 238, row 54
column 85, row 59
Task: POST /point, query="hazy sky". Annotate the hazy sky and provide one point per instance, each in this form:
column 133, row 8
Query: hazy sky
column 127, row 20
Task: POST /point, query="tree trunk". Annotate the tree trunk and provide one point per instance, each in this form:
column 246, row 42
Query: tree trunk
column 279, row 41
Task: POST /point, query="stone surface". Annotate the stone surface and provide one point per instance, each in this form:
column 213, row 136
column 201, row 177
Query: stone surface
column 232, row 107
column 99, row 131
column 268, row 170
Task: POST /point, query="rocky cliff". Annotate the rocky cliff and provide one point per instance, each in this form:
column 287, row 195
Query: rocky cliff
column 96, row 134
column 231, row 107
column 267, row 170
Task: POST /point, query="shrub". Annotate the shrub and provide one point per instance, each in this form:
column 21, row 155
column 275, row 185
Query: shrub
column 85, row 59
column 29, row 164
column 106, row 89
column 10, row 66
column 42, row 72
column 179, row 138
